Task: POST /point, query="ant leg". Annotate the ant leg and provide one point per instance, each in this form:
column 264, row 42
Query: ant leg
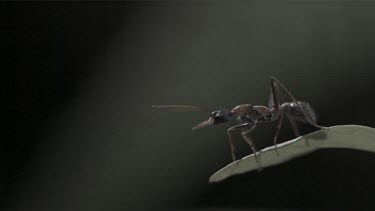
column 231, row 147
column 249, row 140
column 281, row 118
column 229, row 132
column 277, row 112
column 294, row 126
column 295, row 129
column 251, row 143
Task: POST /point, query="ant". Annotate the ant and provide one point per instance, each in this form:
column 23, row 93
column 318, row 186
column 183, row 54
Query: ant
column 250, row 115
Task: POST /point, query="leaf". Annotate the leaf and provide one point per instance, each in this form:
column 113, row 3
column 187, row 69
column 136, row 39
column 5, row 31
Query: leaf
column 344, row 136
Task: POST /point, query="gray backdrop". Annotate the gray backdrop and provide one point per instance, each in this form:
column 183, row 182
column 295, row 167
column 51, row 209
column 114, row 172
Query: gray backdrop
column 91, row 71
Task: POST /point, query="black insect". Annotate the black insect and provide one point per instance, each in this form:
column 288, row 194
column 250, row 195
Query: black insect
column 250, row 115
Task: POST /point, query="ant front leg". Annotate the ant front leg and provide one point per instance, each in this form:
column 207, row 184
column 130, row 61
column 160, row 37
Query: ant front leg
column 231, row 145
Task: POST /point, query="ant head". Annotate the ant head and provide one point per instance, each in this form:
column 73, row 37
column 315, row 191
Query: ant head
column 217, row 117
column 220, row 116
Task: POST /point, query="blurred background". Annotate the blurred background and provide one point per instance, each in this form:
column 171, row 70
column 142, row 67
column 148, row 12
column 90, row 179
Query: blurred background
column 80, row 79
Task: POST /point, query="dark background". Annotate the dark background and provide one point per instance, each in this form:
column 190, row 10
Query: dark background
column 80, row 79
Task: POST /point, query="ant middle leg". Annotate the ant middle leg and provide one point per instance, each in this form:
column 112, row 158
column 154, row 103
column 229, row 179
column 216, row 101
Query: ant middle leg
column 294, row 126
column 245, row 135
column 249, row 140
column 229, row 132
column 280, row 122
column 251, row 143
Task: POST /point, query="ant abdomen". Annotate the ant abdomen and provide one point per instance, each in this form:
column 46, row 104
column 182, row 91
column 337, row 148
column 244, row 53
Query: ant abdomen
column 292, row 109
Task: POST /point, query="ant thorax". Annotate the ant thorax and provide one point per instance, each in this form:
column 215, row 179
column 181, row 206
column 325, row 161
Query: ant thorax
column 243, row 110
column 263, row 113
column 249, row 113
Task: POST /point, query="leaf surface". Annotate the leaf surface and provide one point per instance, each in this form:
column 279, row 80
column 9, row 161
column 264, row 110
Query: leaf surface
column 344, row 136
